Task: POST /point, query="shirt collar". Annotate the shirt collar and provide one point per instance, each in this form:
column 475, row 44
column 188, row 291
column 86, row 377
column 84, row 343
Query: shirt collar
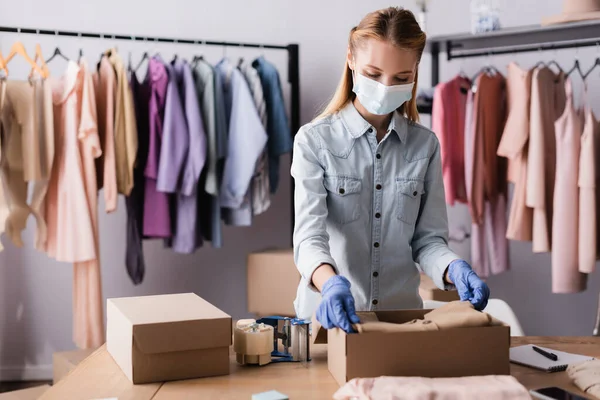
column 358, row 126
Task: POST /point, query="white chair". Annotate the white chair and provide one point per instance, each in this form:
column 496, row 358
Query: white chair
column 497, row 308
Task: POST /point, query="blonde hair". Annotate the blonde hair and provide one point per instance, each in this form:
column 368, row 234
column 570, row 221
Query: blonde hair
column 394, row 25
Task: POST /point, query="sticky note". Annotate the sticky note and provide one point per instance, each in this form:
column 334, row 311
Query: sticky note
column 272, row 395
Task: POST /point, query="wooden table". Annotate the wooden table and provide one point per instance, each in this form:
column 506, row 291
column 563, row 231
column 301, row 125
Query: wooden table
column 99, row 377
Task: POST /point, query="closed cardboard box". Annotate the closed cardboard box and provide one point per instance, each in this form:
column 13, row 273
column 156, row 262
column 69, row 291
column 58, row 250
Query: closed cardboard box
column 168, row 337
column 272, row 283
column 429, row 291
column 434, row 354
column 65, row 361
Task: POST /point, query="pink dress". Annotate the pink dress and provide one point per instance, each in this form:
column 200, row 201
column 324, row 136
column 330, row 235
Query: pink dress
column 71, row 200
column 566, row 277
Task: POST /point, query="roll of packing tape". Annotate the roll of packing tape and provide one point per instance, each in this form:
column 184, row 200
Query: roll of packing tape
column 252, row 342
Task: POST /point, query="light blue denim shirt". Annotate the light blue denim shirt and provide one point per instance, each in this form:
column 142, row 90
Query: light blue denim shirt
column 371, row 210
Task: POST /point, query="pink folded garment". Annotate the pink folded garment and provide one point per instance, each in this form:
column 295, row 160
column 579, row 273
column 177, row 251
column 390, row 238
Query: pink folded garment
column 490, row 387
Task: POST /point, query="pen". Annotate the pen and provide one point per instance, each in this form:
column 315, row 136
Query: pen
column 551, row 356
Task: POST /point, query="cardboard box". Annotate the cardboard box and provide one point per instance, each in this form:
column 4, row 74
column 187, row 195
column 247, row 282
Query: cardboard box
column 66, row 361
column 33, row 393
column 168, row 337
column 428, row 291
column 433, row 354
column 272, row 283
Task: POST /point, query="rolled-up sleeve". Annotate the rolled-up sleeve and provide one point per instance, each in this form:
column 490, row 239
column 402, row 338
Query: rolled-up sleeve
column 430, row 240
column 311, row 240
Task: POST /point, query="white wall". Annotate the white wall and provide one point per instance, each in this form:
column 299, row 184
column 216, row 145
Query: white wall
column 35, row 292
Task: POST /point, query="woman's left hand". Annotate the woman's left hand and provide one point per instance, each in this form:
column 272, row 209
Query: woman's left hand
column 469, row 286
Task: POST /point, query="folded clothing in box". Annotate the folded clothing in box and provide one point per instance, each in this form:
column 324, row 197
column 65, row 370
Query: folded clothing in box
column 491, row 387
column 456, row 314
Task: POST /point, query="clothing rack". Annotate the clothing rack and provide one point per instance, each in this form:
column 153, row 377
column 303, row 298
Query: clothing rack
column 513, row 40
column 293, row 50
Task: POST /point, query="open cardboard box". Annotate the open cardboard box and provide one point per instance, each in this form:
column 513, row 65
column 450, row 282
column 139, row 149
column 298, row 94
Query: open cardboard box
column 434, row 354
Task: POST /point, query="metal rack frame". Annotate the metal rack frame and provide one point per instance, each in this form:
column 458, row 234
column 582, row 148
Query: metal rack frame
column 509, row 41
column 293, row 50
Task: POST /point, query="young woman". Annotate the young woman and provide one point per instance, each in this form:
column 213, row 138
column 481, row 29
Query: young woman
column 369, row 193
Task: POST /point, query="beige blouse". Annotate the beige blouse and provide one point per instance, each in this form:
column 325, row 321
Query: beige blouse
column 514, row 146
column 126, row 141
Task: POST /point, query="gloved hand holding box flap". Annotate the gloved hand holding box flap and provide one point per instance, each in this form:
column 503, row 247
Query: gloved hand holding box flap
column 452, row 341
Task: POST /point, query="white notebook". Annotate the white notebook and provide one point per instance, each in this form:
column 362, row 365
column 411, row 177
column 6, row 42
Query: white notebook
column 525, row 355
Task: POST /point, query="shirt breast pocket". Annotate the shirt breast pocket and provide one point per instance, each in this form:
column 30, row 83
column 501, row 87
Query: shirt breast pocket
column 343, row 198
column 408, row 197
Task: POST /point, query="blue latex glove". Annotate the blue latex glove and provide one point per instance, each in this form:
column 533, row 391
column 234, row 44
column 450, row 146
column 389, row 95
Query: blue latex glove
column 336, row 309
column 469, row 286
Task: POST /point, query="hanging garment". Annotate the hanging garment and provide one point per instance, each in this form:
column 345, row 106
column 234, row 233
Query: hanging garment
column 448, row 123
column 547, row 104
column 246, row 137
column 566, row 277
column 24, row 157
column 125, row 126
column 489, row 246
column 157, row 219
column 514, row 146
column 587, row 194
column 88, row 330
column 175, row 141
column 185, row 240
column 72, row 224
column 280, row 139
column 242, row 214
column 261, row 200
column 209, row 210
column 105, row 88
column 45, row 124
column 70, row 230
column 134, row 256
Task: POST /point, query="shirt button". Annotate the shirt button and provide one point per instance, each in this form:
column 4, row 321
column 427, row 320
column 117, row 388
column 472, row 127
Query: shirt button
column 375, row 302
column 370, row 130
column 378, row 156
column 376, row 244
column 415, row 193
column 377, row 215
column 378, row 187
column 342, row 191
column 375, row 274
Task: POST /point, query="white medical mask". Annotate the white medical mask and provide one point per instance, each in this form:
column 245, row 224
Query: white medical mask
column 378, row 98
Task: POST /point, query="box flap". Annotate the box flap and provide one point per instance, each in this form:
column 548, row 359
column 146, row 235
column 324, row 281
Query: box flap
column 183, row 335
column 166, row 308
column 319, row 334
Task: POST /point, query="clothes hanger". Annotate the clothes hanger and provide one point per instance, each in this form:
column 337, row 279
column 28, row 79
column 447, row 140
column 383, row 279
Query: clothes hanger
column 57, row 52
column 39, row 58
column 145, row 57
column 19, row 49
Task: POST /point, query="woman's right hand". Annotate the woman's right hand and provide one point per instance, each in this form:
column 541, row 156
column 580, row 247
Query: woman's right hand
column 336, row 309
